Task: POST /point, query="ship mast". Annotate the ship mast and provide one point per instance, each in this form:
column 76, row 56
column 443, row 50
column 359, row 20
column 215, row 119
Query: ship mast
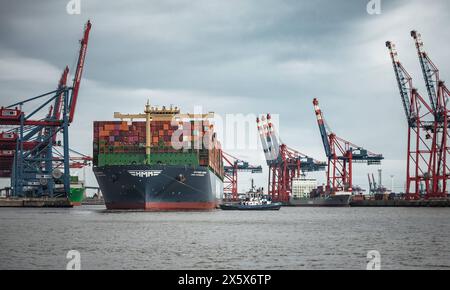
column 148, row 111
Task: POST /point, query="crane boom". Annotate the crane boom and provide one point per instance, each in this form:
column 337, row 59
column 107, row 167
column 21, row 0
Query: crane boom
column 374, row 183
column 370, row 183
column 79, row 70
column 404, row 82
column 322, row 129
column 58, row 100
column 263, row 139
column 429, row 70
column 273, row 137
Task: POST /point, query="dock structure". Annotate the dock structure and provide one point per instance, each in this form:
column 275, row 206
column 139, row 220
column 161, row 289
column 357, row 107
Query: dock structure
column 401, row 203
column 35, row 202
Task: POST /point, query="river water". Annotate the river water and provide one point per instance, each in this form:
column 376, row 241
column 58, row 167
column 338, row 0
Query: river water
column 293, row 238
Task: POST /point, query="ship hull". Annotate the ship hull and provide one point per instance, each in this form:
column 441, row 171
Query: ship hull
column 159, row 188
column 330, row 201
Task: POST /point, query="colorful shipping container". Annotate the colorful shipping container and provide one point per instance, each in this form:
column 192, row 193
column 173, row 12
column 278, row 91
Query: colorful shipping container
column 123, row 143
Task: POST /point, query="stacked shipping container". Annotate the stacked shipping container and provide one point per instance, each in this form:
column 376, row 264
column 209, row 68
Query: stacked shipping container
column 123, row 143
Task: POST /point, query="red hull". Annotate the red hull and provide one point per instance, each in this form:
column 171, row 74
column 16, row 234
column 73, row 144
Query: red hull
column 164, row 206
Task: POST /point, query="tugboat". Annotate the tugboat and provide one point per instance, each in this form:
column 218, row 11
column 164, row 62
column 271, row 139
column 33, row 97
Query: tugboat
column 254, row 200
column 253, row 203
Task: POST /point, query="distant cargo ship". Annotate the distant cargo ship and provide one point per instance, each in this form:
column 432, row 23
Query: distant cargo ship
column 306, row 193
column 333, row 200
column 137, row 166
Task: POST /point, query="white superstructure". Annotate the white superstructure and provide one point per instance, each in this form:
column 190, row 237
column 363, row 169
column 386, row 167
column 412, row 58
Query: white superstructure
column 302, row 187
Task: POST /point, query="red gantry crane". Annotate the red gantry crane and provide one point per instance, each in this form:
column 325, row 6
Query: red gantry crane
column 341, row 154
column 427, row 171
column 420, row 119
column 284, row 163
column 439, row 96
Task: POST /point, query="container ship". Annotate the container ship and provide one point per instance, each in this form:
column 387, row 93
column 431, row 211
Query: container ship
column 168, row 161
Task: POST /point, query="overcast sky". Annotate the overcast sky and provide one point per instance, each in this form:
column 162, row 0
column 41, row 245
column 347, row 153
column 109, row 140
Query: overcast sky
column 243, row 56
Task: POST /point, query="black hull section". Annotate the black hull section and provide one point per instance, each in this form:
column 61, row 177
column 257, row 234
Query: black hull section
column 159, row 187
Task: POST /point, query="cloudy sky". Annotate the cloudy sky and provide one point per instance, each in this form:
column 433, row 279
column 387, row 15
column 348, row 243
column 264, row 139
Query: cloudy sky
column 246, row 56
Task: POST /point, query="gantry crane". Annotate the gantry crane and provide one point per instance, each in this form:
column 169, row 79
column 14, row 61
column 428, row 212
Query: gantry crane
column 232, row 166
column 31, row 143
column 284, row 163
column 421, row 137
column 439, row 95
column 341, row 154
column 427, row 172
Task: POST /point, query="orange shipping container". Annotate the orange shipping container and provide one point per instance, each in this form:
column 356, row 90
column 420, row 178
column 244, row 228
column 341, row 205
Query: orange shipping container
column 104, row 133
column 109, row 127
column 124, row 126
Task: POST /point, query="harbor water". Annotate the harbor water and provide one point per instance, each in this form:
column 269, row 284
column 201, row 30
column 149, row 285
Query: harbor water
column 292, row 238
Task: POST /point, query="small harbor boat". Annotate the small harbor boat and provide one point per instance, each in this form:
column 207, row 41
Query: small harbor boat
column 254, row 203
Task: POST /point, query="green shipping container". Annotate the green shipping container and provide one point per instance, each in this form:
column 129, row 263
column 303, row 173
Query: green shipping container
column 169, row 158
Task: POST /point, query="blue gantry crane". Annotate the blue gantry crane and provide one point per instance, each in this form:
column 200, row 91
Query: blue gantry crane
column 39, row 164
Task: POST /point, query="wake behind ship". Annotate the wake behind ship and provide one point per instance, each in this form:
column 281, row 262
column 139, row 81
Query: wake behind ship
column 137, row 165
